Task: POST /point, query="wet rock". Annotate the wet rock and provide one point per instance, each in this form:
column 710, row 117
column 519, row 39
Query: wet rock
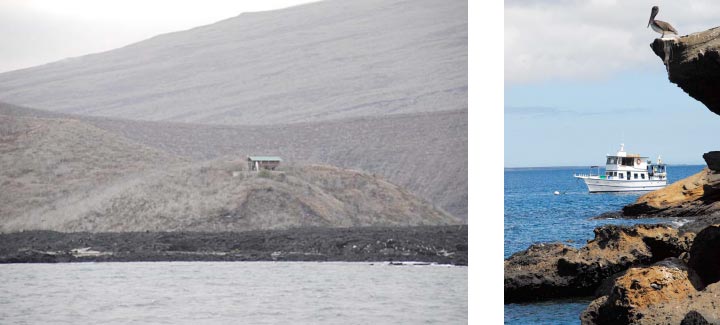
column 546, row 271
column 438, row 244
column 36, row 256
column 533, row 274
column 639, row 209
column 590, row 314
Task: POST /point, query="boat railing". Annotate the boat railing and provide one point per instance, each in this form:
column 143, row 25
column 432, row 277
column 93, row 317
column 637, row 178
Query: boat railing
column 588, row 175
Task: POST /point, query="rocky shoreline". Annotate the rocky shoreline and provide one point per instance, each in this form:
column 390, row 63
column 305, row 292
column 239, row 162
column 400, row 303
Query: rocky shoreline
column 431, row 244
column 643, row 274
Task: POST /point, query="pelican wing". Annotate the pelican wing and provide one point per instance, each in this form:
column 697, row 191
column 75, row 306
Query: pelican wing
column 665, row 26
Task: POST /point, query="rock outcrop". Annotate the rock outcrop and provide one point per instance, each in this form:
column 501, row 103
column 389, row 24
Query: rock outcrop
column 667, row 292
column 645, row 274
column 694, row 196
column 705, row 255
column 546, row 271
column 426, row 244
column 693, row 63
column 639, row 290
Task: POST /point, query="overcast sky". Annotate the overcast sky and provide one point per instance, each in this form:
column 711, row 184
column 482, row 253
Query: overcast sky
column 580, row 78
column 35, row 32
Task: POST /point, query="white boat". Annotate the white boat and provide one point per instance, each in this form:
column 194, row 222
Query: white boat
column 626, row 172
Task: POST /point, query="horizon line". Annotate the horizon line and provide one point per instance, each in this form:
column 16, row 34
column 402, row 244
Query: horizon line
column 588, row 166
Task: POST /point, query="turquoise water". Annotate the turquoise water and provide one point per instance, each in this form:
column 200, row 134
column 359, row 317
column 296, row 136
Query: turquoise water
column 533, row 214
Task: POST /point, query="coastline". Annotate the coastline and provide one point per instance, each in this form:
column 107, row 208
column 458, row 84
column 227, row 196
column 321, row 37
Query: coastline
column 424, row 244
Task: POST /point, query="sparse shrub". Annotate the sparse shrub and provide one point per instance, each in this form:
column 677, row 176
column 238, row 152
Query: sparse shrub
column 264, row 174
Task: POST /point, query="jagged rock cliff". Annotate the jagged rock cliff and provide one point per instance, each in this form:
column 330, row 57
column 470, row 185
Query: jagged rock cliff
column 693, row 63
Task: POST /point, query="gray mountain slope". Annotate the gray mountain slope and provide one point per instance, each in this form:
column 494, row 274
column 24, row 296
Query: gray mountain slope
column 423, row 152
column 321, row 61
column 64, row 174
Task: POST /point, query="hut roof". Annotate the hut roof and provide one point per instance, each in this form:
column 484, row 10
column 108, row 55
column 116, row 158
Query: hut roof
column 264, row 158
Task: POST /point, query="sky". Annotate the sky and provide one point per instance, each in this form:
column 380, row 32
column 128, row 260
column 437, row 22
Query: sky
column 35, row 32
column 580, row 79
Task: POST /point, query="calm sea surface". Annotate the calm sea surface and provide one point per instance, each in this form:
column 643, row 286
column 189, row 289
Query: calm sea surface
column 232, row 293
column 534, row 214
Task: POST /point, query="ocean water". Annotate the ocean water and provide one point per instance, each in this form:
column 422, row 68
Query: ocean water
column 533, row 214
column 232, row 293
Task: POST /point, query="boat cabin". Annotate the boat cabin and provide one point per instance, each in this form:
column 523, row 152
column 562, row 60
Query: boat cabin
column 626, row 172
column 625, row 166
column 255, row 163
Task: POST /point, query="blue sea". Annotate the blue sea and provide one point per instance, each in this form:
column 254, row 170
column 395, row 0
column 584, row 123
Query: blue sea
column 533, row 214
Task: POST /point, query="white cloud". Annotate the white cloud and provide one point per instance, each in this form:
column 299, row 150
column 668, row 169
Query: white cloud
column 579, row 39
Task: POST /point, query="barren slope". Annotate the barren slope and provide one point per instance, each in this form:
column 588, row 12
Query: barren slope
column 320, row 61
column 66, row 175
column 206, row 197
column 423, row 152
column 48, row 164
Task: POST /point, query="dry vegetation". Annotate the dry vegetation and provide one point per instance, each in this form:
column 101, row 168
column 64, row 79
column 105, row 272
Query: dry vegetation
column 64, row 174
column 425, row 153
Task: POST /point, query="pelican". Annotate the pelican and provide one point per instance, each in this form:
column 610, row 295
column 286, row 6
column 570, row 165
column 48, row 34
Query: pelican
column 659, row 25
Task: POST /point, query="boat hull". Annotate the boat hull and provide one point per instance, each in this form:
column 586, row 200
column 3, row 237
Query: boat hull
column 609, row 185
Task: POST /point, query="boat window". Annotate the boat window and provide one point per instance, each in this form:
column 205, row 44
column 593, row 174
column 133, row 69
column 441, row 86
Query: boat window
column 635, row 176
column 642, row 176
column 611, row 161
column 621, row 176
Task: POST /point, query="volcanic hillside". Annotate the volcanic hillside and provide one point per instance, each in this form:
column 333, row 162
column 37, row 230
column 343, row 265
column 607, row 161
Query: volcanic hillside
column 320, row 61
column 66, row 175
column 378, row 86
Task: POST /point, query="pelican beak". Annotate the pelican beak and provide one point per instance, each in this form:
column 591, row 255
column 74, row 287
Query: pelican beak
column 653, row 13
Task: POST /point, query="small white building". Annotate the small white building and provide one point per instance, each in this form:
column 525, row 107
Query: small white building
column 255, row 163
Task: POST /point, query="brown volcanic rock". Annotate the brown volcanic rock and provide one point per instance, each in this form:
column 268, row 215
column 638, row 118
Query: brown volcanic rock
column 639, row 296
column 668, row 292
column 694, row 318
column 533, row 274
column 680, row 194
column 693, row 63
column 705, row 254
column 712, row 159
column 546, row 271
column 694, row 196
